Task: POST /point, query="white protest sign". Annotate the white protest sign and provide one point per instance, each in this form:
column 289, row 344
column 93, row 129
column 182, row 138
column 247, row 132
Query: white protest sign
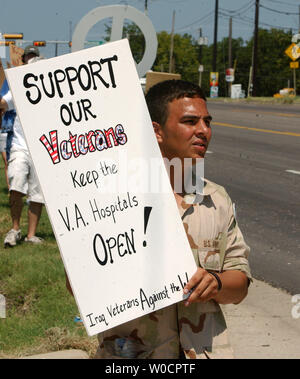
column 92, row 143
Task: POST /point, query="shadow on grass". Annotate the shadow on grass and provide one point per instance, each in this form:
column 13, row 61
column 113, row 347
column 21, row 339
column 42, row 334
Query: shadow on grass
column 46, row 235
column 4, row 201
column 4, row 190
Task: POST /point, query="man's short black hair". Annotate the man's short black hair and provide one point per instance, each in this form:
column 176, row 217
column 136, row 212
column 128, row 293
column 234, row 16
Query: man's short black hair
column 160, row 95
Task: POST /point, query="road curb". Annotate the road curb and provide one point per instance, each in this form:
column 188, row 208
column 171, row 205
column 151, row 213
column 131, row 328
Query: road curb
column 63, row 354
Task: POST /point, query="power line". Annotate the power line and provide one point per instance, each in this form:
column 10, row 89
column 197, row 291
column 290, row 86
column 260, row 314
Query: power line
column 281, row 3
column 238, row 15
column 240, row 10
column 269, row 25
column 174, row 1
column 250, row 21
column 280, row 12
column 196, row 21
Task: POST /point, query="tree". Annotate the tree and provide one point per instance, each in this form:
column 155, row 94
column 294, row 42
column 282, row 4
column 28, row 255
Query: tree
column 185, row 59
column 273, row 65
column 135, row 37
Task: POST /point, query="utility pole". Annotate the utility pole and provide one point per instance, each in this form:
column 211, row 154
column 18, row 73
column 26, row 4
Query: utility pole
column 295, row 89
column 249, row 93
column 230, row 53
column 146, row 7
column 172, row 44
column 294, row 75
column 255, row 49
column 230, row 44
column 70, row 34
column 214, row 62
column 70, row 30
column 200, row 58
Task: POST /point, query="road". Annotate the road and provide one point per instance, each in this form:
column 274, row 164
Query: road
column 252, row 148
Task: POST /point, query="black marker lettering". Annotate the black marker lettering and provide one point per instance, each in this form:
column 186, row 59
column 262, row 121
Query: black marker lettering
column 29, row 95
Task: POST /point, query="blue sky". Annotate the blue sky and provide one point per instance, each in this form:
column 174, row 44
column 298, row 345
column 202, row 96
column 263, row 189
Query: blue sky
column 54, row 19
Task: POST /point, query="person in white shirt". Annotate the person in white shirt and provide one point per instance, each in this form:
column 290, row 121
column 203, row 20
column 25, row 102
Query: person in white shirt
column 21, row 174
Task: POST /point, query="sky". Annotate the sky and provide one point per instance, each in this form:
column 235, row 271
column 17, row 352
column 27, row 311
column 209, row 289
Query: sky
column 53, row 20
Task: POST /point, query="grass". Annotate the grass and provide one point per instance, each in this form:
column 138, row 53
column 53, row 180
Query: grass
column 40, row 311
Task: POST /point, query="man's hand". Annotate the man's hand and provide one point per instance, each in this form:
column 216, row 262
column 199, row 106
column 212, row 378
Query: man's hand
column 204, row 287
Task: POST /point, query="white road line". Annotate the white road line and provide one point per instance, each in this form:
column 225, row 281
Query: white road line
column 209, row 152
column 293, row 172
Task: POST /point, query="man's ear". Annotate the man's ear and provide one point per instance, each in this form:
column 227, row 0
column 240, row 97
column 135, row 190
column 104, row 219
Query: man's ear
column 158, row 131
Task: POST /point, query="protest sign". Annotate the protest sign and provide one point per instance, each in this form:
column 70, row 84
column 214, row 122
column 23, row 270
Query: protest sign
column 153, row 78
column 16, row 54
column 91, row 139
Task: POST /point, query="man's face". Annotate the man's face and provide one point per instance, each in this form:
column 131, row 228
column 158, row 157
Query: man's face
column 187, row 131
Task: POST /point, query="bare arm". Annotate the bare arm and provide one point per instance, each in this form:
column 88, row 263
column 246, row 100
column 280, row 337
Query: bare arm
column 234, row 287
column 3, row 105
column 3, row 109
column 205, row 287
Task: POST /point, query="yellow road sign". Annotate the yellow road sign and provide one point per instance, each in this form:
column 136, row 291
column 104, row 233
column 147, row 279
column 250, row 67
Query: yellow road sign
column 294, row 64
column 293, row 51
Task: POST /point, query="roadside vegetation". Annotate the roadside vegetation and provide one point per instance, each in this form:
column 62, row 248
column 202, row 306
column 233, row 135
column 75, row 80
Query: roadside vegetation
column 274, row 72
column 40, row 312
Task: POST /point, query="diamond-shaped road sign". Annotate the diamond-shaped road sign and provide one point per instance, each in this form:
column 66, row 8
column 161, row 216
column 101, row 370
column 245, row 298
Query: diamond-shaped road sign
column 293, row 51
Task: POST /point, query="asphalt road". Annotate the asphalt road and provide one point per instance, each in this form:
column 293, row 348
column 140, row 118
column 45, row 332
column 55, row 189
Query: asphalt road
column 252, row 147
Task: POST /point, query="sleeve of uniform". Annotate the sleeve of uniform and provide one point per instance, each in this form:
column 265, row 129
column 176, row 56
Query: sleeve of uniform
column 237, row 251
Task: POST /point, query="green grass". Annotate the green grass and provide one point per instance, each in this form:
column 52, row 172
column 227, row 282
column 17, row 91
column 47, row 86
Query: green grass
column 39, row 310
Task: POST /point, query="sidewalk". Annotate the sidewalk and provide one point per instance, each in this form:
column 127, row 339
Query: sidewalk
column 262, row 325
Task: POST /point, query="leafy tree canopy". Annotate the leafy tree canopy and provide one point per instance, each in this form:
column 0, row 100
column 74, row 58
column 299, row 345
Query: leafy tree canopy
column 273, row 73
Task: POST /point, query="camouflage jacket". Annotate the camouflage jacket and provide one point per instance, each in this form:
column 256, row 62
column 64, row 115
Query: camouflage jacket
column 200, row 329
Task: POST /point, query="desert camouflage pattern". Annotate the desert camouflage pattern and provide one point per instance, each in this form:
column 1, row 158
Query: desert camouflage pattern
column 199, row 331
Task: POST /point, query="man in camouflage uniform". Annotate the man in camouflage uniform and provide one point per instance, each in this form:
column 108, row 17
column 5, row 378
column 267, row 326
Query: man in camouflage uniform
column 194, row 328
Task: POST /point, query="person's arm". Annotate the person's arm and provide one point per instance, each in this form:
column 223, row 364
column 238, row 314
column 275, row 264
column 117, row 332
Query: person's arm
column 234, row 276
column 6, row 102
column 3, row 109
column 234, row 287
column 3, row 105
column 205, row 287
